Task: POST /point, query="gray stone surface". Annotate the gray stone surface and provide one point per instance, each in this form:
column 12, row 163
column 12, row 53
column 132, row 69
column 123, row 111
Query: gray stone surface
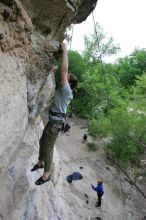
column 13, row 106
column 30, row 35
column 57, row 199
column 58, row 14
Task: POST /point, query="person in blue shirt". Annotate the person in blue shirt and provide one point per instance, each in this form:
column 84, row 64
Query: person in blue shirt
column 99, row 190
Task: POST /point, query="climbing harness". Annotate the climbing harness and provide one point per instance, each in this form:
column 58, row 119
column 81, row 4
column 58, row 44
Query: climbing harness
column 57, row 114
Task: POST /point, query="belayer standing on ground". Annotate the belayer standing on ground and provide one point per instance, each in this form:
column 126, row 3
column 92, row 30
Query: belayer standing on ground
column 63, row 96
column 99, row 190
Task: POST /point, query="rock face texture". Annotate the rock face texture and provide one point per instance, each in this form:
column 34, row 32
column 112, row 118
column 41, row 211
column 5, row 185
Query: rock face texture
column 54, row 20
column 30, row 35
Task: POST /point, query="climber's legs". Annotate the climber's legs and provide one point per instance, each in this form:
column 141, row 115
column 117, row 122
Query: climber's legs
column 47, row 142
column 98, row 204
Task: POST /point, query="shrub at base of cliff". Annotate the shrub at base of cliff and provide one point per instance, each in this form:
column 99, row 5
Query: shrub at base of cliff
column 92, row 146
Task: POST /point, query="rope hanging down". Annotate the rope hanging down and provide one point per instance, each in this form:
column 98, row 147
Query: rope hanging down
column 109, row 110
column 104, row 78
column 71, row 36
column 116, row 163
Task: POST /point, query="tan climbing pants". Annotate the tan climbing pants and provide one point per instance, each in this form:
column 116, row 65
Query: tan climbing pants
column 47, row 142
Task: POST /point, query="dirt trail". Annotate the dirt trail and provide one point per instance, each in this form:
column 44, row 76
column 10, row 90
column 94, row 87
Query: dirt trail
column 120, row 201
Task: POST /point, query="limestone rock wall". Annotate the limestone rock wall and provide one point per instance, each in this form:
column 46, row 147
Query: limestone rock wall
column 13, row 106
column 54, row 20
column 30, row 36
column 19, row 196
column 15, row 30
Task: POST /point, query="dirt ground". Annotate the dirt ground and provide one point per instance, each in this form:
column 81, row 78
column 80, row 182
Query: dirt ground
column 120, row 201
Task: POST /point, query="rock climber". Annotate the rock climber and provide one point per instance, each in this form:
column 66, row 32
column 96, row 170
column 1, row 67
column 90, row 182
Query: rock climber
column 99, row 190
column 57, row 115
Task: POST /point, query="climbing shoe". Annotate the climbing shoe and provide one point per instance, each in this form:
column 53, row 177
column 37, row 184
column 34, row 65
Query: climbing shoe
column 41, row 181
column 36, row 167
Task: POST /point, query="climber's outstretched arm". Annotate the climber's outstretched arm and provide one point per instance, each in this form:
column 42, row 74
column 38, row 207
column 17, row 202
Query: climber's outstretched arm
column 64, row 65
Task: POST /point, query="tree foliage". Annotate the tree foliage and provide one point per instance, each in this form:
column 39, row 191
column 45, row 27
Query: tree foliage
column 111, row 96
column 98, row 45
column 77, row 64
column 130, row 67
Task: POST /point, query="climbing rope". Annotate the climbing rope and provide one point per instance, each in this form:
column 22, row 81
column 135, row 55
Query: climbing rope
column 103, row 75
column 72, row 29
column 109, row 110
column 123, row 197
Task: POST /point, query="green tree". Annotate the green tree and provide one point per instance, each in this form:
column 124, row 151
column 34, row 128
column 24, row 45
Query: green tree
column 127, row 129
column 99, row 91
column 130, row 67
column 77, row 64
column 88, row 95
column 138, row 96
column 97, row 45
column 112, row 96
